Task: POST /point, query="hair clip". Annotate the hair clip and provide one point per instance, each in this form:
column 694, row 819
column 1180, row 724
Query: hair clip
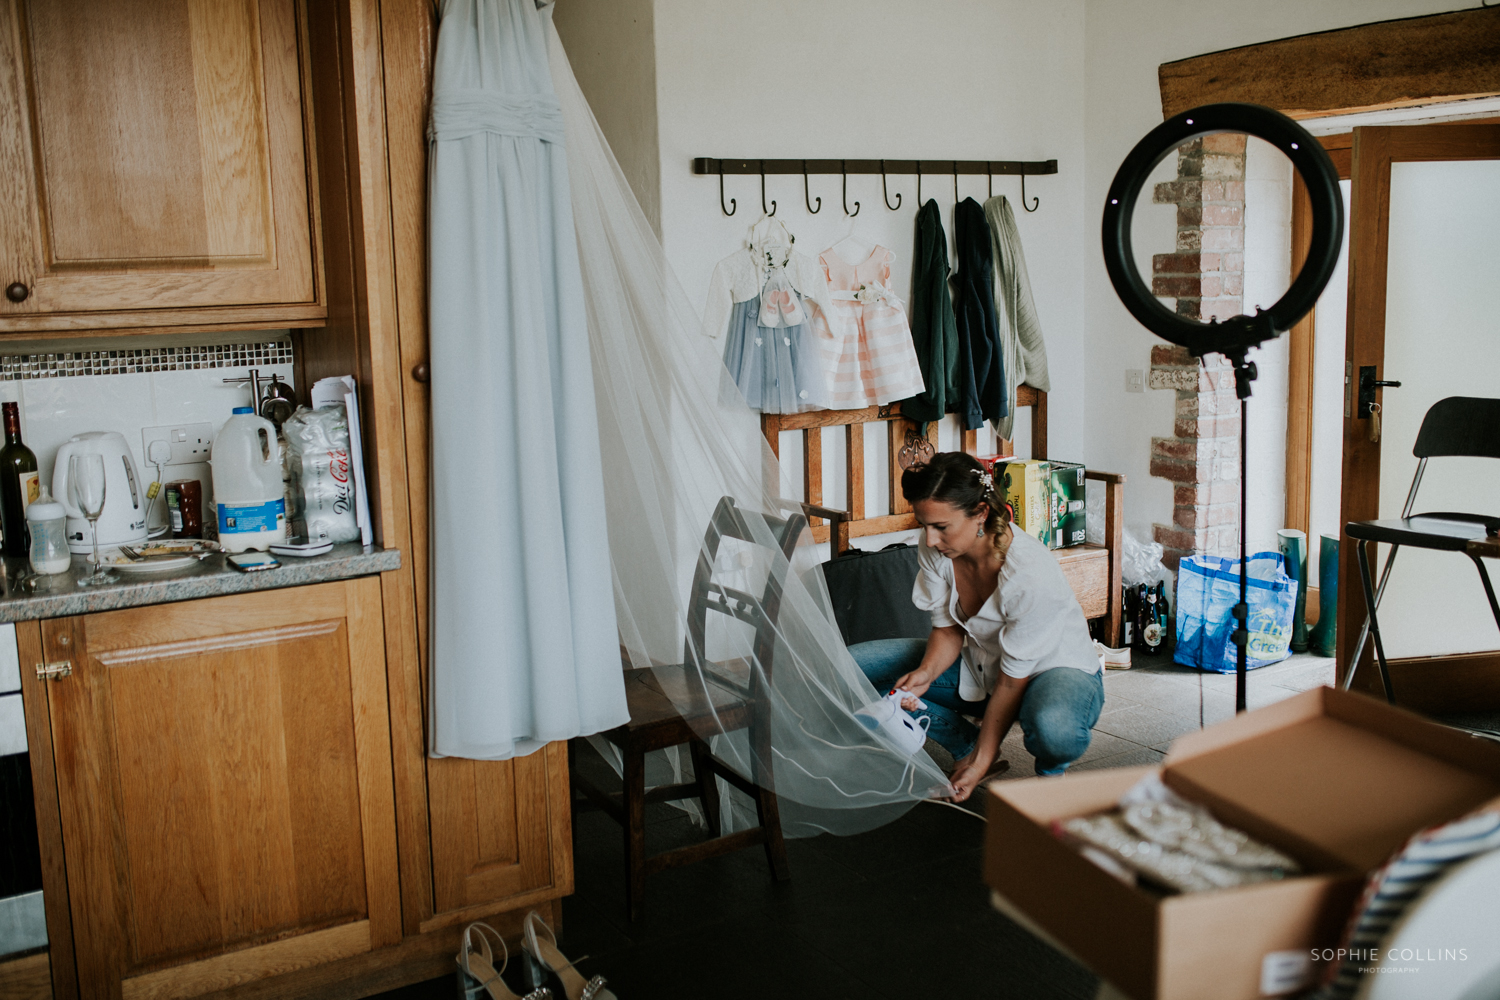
column 987, row 480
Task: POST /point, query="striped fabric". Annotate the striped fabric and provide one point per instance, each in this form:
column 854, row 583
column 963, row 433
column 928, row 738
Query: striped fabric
column 870, row 358
column 1390, row 890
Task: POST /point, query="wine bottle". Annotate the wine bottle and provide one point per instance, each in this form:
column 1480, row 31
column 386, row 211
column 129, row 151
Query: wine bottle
column 1164, row 616
column 19, row 484
column 1127, row 603
column 1152, row 632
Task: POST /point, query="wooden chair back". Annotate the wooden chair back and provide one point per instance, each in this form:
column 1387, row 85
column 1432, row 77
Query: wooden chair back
column 758, row 611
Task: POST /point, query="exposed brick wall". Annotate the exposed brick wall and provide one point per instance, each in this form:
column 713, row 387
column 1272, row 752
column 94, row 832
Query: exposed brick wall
column 1206, row 275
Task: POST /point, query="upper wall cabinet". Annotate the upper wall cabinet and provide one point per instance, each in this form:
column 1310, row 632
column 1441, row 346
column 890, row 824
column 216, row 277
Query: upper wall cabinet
column 154, row 165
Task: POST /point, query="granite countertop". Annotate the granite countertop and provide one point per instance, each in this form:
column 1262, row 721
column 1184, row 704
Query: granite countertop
column 58, row 596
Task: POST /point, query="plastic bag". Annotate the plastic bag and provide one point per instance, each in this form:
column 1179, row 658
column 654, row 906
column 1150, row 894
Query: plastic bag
column 1141, row 562
column 320, row 476
column 1208, row 588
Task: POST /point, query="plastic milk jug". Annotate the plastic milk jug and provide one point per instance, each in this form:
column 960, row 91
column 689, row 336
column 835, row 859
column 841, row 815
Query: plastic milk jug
column 247, row 483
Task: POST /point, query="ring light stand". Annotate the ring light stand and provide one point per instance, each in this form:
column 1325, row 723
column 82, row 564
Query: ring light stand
column 1234, row 337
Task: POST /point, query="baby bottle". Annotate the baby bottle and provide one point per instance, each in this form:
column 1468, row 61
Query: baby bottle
column 47, row 522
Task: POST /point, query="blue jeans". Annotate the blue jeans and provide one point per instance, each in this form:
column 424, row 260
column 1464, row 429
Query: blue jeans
column 1058, row 709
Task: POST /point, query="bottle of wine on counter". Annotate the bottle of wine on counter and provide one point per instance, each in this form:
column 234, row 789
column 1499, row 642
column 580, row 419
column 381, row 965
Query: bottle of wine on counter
column 19, row 484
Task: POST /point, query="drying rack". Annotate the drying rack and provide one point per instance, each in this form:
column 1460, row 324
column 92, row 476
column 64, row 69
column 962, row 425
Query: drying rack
column 707, row 165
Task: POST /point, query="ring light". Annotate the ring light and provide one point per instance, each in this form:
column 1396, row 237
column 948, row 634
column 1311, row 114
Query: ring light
column 1233, row 337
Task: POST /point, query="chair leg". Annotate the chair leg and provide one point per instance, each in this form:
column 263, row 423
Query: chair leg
column 635, row 831
column 1364, row 631
column 768, row 810
column 1362, row 551
column 1489, row 591
column 708, row 785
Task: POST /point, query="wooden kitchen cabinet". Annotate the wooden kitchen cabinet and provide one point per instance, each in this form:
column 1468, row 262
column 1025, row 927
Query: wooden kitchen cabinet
column 155, row 166
column 224, row 791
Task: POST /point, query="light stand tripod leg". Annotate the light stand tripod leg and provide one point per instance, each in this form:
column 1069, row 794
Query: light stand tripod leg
column 1242, row 609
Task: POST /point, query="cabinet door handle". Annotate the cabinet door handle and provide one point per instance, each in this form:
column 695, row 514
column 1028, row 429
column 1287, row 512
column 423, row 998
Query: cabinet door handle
column 421, row 372
column 54, row 671
column 17, row 292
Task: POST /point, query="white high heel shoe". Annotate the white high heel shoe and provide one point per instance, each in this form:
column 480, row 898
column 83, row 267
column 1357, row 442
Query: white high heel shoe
column 541, row 946
column 476, row 968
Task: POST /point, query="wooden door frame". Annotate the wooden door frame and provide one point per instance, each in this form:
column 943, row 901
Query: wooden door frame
column 1302, row 339
column 1375, row 149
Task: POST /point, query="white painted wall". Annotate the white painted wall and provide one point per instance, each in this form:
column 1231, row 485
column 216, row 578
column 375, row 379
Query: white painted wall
column 1075, row 81
column 612, row 48
column 883, row 78
column 1126, row 40
column 1268, row 263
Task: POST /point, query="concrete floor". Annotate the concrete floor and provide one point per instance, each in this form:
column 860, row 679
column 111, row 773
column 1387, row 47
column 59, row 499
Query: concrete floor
column 898, row 912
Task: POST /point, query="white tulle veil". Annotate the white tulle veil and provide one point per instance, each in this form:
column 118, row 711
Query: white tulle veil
column 673, row 447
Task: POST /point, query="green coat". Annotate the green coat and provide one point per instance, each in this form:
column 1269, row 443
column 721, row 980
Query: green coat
column 933, row 330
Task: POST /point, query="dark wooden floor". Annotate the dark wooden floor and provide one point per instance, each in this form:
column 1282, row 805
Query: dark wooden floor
column 898, row 912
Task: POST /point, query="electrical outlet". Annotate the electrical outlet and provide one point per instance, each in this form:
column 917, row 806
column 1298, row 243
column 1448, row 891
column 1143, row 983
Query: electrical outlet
column 189, row 443
column 1135, row 380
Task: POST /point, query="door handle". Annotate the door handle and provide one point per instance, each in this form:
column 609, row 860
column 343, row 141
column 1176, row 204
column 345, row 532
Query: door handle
column 1368, row 383
column 54, row 671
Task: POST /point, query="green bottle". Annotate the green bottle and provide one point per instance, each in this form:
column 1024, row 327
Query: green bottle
column 19, row 484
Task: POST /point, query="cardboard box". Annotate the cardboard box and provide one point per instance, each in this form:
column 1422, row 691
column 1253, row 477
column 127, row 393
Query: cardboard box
column 1067, row 499
column 1337, row 780
column 1025, row 486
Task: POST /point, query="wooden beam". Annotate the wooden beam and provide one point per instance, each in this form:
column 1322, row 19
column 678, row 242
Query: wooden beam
column 1388, row 64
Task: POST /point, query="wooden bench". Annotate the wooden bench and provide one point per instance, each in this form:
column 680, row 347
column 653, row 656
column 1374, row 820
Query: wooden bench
column 1093, row 570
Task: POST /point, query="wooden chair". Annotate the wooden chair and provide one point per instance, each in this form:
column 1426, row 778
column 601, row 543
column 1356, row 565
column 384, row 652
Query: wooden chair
column 671, row 704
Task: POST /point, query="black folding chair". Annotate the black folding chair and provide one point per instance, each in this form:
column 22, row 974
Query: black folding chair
column 1464, row 426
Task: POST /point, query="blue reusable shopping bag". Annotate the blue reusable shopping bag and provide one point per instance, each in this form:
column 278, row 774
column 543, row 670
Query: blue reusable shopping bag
column 1208, row 587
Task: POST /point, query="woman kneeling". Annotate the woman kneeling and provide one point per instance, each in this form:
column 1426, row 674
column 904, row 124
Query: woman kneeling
column 1009, row 640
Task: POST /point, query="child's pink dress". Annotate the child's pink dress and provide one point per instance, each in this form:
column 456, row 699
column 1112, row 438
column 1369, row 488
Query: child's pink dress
column 870, row 357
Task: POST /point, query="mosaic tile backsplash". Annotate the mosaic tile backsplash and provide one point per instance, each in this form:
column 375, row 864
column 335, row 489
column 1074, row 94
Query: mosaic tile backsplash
column 101, row 387
column 147, row 359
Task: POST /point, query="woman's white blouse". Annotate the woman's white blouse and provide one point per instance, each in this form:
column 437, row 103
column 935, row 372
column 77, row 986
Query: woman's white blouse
column 1031, row 623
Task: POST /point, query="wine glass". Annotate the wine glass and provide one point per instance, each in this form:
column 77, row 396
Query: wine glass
column 86, row 473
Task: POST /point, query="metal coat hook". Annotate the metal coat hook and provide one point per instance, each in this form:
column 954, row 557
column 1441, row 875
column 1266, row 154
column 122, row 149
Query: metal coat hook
column 955, row 182
column 846, row 193
column 1037, row 201
column 763, row 208
column 884, row 193
column 734, row 206
column 919, row 185
column 805, row 193
column 989, row 180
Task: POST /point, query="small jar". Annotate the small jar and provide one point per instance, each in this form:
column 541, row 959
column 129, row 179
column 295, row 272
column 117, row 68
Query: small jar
column 185, row 508
column 47, row 522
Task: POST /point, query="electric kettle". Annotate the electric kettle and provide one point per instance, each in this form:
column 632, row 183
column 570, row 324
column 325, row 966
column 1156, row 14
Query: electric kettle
column 124, row 519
